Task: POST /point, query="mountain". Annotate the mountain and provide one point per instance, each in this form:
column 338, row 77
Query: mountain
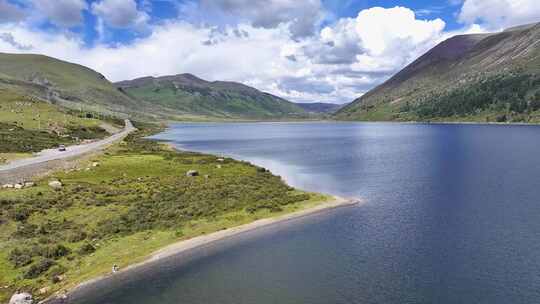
column 66, row 84
column 319, row 107
column 192, row 96
column 481, row 77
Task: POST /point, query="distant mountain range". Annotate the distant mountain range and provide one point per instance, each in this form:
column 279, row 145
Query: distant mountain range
column 482, row 77
column 189, row 95
column 320, row 107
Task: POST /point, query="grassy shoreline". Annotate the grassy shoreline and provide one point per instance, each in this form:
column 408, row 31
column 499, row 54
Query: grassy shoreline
column 135, row 201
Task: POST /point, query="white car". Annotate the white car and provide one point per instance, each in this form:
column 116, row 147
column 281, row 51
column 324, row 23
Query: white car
column 62, row 148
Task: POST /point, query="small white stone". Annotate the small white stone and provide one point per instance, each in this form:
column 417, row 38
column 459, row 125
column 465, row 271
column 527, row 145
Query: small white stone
column 21, row 298
column 29, row 184
column 55, row 184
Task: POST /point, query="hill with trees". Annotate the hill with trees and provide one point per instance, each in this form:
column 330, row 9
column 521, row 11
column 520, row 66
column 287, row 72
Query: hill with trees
column 482, row 77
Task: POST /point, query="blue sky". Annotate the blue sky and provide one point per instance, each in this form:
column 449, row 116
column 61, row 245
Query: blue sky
column 302, row 50
column 159, row 11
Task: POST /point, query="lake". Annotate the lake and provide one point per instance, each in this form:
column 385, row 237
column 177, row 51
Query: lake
column 452, row 215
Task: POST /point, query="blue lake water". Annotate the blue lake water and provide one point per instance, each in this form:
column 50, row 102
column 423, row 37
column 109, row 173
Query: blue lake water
column 452, row 215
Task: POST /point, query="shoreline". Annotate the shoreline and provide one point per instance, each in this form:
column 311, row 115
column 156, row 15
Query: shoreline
column 188, row 245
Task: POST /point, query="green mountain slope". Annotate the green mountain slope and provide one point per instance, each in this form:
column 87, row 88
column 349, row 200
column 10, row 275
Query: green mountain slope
column 190, row 95
column 483, row 77
column 65, row 84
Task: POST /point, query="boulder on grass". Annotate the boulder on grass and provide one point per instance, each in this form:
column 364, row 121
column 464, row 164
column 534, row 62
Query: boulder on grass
column 29, row 184
column 18, row 186
column 192, row 173
column 21, row 298
column 55, row 184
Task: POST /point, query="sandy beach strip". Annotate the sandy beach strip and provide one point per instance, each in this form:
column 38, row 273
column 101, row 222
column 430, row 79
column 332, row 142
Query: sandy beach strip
column 207, row 239
column 202, row 240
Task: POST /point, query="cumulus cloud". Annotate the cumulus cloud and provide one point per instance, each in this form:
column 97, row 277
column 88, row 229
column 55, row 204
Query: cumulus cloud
column 10, row 12
column 121, row 14
column 64, row 13
column 359, row 53
column 335, row 64
column 301, row 16
column 499, row 14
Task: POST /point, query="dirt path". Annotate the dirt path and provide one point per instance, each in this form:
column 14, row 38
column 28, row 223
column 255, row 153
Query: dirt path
column 47, row 160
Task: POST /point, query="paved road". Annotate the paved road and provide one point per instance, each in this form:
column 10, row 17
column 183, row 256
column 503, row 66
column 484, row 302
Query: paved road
column 71, row 151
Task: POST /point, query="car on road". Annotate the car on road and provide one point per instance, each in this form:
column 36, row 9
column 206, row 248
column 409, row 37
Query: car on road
column 61, row 148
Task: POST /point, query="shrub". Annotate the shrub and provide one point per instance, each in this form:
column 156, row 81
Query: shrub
column 38, row 268
column 20, row 213
column 54, row 251
column 76, row 236
column 25, row 231
column 501, row 118
column 19, row 257
column 87, row 248
column 55, row 273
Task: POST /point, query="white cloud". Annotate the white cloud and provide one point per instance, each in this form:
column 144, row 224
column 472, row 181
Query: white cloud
column 301, row 16
column 64, row 13
column 121, row 14
column 336, row 64
column 355, row 54
column 499, row 14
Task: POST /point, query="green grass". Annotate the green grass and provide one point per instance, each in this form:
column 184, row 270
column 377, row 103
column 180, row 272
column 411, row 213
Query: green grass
column 32, row 114
column 30, row 125
column 136, row 201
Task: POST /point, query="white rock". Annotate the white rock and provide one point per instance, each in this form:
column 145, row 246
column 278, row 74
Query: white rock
column 95, row 164
column 7, row 186
column 55, row 184
column 18, row 186
column 29, row 184
column 21, row 298
column 220, row 160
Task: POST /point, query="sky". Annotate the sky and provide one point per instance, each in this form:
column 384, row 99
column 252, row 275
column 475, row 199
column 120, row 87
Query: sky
column 302, row 50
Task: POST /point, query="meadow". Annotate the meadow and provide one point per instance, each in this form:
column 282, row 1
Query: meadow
column 119, row 207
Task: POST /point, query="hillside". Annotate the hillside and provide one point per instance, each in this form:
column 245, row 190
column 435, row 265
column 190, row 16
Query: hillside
column 482, row 77
column 28, row 125
column 190, row 95
column 319, row 107
column 65, row 84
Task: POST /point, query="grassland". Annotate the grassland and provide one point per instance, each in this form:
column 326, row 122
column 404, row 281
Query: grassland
column 30, row 125
column 136, row 201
